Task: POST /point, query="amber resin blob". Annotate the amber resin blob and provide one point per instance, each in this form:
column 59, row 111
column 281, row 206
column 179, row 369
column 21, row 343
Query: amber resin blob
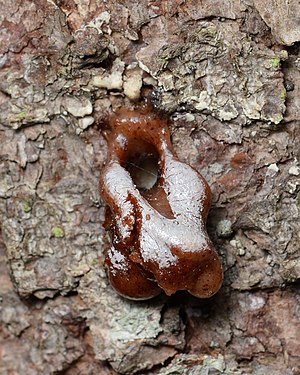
column 157, row 211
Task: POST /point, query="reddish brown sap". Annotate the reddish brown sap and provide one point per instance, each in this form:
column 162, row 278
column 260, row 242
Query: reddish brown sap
column 157, row 210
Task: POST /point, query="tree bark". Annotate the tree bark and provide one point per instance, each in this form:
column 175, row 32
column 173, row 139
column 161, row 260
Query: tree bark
column 227, row 73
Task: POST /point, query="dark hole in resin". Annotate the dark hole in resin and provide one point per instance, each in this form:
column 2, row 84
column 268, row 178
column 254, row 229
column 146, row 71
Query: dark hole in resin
column 144, row 170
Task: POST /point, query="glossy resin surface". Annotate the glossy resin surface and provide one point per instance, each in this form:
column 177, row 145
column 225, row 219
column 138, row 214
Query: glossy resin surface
column 157, row 211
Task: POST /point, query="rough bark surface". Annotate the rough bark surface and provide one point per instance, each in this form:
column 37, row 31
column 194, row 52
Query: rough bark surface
column 228, row 74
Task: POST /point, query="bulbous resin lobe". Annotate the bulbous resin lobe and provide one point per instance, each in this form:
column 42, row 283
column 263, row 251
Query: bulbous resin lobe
column 158, row 208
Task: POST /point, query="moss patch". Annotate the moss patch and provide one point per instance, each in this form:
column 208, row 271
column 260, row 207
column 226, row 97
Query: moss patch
column 57, row 232
column 26, row 207
column 275, row 62
column 21, row 115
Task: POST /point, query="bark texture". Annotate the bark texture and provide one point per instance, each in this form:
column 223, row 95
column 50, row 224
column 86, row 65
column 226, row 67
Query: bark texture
column 228, row 74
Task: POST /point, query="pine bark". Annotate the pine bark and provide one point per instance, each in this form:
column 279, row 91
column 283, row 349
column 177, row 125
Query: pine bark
column 227, row 73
